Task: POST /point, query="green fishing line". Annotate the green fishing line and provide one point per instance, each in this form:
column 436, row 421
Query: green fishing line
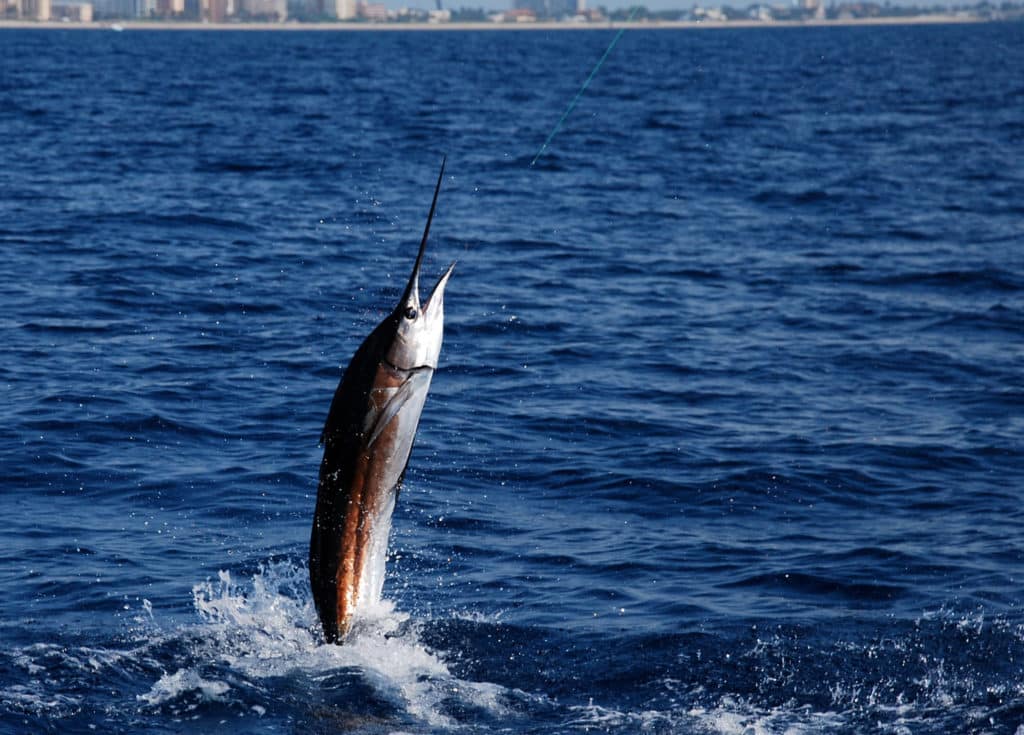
column 583, row 89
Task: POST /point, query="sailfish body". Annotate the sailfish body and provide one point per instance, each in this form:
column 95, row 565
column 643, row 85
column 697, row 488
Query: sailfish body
column 367, row 440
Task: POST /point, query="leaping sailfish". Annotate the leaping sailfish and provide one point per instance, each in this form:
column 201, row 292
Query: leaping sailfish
column 367, row 440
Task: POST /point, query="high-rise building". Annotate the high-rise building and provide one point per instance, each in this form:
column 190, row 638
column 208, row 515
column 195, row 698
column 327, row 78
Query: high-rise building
column 305, row 9
column 124, row 8
column 273, row 10
column 340, row 9
column 35, row 9
column 73, row 11
column 106, row 9
column 215, row 11
column 170, row 8
column 10, row 9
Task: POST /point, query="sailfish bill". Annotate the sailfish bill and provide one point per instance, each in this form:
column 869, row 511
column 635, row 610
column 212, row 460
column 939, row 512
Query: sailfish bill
column 367, row 439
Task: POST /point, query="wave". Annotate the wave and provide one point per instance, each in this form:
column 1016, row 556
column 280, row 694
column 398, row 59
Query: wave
column 986, row 279
column 164, row 222
column 783, row 198
column 72, row 326
column 811, row 584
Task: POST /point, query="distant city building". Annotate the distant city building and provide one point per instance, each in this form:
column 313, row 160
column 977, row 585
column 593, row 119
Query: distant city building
column 375, row 12
column 848, row 10
column 549, row 8
column 170, row 8
column 760, row 12
column 266, row 10
column 518, row 15
column 36, row 9
column 815, row 8
column 75, row 12
column 340, row 9
column 215, row 11
column 305, row 9
column 411, row 15
column 714, row 15
column 125, row 8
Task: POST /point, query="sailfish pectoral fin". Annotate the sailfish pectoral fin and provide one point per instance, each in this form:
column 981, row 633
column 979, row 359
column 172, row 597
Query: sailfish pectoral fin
column 417, row 381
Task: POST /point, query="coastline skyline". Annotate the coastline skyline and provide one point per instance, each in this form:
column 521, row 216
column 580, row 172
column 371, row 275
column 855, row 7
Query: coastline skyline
column 463, row 8
column 545, row 25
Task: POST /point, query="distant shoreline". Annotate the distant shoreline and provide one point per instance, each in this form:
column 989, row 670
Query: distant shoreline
column 129, row 25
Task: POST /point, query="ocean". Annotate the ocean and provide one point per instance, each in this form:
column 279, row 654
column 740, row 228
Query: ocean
column 728, row 430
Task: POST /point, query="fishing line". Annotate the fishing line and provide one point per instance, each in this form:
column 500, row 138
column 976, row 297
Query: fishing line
column 583, row 89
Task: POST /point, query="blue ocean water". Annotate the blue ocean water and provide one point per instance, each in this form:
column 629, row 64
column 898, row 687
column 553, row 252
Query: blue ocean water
column 728, row 434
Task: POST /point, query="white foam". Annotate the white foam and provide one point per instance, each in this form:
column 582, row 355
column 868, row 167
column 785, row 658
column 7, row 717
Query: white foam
column 255, row 627
column 172, row 686
column 604, row 718
column 32, row 698
column 728, row 717
column 266, row 626
column 474, row 616
column 37, row 695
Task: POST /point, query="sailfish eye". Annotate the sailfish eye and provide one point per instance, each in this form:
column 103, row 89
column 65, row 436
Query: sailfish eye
column 410, row 313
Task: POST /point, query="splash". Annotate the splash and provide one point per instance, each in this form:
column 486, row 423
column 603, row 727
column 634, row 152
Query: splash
column 729, row 716
column 265, row 627
column 252, row 648
column 172, row 686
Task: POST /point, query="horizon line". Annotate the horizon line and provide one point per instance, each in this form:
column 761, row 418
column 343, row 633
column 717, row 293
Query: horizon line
column 160, row 25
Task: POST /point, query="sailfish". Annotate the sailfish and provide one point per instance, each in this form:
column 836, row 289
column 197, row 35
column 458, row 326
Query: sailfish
column 367, row 440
